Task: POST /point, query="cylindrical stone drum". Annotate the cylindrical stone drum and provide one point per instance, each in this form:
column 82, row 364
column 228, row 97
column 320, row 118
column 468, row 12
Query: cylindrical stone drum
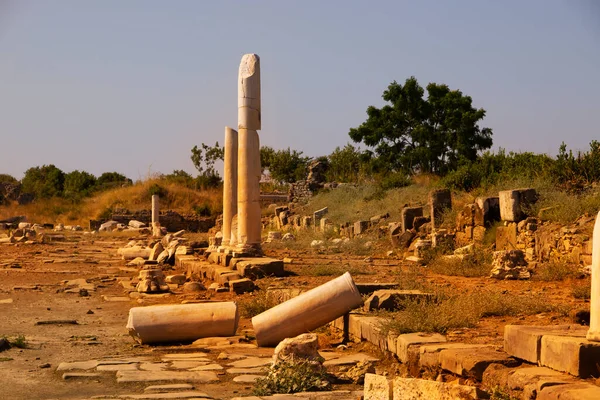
column 308, row 311
column 182, row 322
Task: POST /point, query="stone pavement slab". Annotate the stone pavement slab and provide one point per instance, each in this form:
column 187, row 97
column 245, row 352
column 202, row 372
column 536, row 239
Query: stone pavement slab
column 154, row 376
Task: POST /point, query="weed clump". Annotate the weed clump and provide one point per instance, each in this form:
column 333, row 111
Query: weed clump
column 582, row 289
column 457, row 310
column 554, row 271
column 259, row 303
column 477, row 263
column 293, row 376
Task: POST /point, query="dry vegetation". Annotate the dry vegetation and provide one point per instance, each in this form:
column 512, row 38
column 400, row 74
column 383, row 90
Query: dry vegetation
column 136, row 197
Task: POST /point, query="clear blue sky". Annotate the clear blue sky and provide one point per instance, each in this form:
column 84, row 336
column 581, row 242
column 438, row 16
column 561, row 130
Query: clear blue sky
column 132, row 86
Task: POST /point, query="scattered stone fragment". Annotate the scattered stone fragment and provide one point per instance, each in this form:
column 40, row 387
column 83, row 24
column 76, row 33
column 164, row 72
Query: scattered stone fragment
column 45, row 365
column 177, row 279
column 6, row 301
column 194, row 287
column 303, row 346
column 185, row 356
column 58, row 322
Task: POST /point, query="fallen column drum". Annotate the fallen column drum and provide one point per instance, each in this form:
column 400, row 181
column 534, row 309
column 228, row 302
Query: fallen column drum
column 182, row 322
column 307, row 311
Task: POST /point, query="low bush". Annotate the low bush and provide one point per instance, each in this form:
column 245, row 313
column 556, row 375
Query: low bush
column 477, row 263
column 293, row 376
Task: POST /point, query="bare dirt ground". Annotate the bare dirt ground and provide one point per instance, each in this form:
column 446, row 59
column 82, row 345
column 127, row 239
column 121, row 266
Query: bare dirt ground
column 33, row 290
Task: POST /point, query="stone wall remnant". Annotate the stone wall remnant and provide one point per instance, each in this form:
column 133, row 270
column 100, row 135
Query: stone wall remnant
column 439, row 201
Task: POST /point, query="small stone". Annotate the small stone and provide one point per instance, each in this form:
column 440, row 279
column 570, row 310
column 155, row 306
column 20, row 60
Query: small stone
column 67, row 366
column 45, row 365
column 192, row 287
column 171, row 387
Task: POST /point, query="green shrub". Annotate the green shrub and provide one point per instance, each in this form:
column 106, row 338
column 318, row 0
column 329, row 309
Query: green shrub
column 582, row 289
column 293, row 376
column 259, row 303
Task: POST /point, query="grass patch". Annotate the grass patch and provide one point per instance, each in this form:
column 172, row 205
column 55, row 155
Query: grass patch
column 477, row 263
column 293, row 376
column 259, row 303
column 20, row 342
column 460, row 310
column 582, row 289
column 2, row 359
column 412, row 278
column 554, row 271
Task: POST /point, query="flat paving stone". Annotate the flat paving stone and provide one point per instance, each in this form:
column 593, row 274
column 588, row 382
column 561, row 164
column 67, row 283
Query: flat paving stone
column 254, row 370
column 80, row 375
column 171, row 395
column 171, row 387
column 187, row 364
column 117, row 367
column 247, row 378
column 350, row 359
column 161, row 366
column 156, row 376
column 209, row 367
column 184, row 356
column 468, row 363
column 81, row 365
column 251, row 362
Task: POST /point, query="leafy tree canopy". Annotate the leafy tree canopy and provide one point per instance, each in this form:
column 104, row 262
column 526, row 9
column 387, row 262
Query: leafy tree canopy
column 284, row 165
column 112, row 179
column 78, row 184
column 44, row 182
column 414, row 134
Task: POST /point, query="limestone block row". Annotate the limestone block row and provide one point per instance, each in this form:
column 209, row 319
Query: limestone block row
column 378, row 387
column 562, row 348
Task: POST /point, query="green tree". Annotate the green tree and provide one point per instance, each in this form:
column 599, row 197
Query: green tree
column 414, row 134
column 204, row 160
column 78, row 184
column 347, row 164
column 180, row 177
column 284, row 165
column 43, row 182
column 110, row 180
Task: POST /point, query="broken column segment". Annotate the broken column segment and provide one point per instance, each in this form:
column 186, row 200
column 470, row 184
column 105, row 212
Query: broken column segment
column 249, row 121
column 439, row 201
column 513, row 203
column 155, row 216
column 230, row 178
column 182, row 322
column 408, row 217
column 594, row 332
column 307, row 311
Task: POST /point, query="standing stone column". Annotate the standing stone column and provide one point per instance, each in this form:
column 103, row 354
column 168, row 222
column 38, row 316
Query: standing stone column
column 230, row 178
column 249, row 218
column 594, row 331
column 155, row 214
